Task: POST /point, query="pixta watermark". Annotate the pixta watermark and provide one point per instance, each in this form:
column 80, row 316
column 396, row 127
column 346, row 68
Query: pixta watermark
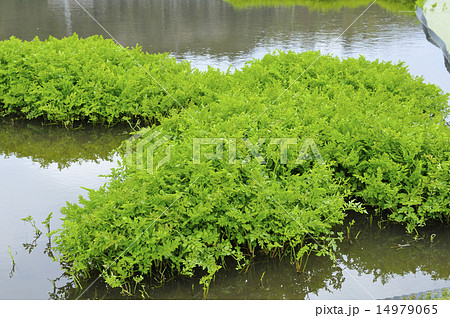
column 254, row 149
column 141, row 150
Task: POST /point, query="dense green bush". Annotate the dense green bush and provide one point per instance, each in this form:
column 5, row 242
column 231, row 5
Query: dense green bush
column 92, row 80
column 382, row 130
column 379, row 130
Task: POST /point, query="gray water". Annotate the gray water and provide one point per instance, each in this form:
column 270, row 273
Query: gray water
column 43, row 167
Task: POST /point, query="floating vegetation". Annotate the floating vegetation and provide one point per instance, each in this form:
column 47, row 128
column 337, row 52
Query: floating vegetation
column 91, row 80
column 382, row 140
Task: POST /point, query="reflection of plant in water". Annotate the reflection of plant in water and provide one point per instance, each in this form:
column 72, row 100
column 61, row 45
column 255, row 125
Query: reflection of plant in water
column 430, row 6
column 50, row 144
column 280, row 279
column 61, row 292
column 48, row 248
column 37, row 234
column 69, row 289
column 387, row 253
column 30, row 246
column 349, row 227
column 402, row 6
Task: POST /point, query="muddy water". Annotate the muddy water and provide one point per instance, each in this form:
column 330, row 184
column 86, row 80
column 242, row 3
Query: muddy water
column 43, row 167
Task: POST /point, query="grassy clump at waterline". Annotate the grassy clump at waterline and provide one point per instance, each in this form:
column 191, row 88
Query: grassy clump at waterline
column 379, row 131
column 92, row 80
column 403, row 6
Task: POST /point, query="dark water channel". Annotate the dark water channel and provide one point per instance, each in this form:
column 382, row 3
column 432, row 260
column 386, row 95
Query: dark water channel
column 42, row 167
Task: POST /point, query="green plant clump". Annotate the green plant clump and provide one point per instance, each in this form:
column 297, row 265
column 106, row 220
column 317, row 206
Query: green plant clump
column 92, row 80
column 380, row 137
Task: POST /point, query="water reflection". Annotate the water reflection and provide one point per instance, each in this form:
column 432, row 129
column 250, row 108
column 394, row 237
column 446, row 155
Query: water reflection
column 189, row 27
column 267, row 279
column 220, row 33
column 386, row 253
column 400, row 6
column 56, row 145
column 67, row 16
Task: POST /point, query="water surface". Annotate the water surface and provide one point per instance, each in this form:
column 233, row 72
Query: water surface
column 42, row 167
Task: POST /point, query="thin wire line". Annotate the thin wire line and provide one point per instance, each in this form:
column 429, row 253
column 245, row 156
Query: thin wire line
column 163, row 88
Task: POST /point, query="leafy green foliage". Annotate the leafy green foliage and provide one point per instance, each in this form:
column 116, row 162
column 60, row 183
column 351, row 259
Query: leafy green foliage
column 168, row 224
column 379, row 130
column 72, row 80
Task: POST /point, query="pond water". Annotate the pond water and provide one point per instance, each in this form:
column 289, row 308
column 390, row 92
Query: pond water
column 42, row 167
